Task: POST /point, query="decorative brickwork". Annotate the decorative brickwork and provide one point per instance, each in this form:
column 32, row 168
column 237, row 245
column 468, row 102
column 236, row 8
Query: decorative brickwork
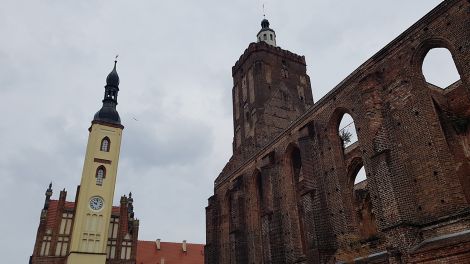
column 52, row 224
column 287, row 194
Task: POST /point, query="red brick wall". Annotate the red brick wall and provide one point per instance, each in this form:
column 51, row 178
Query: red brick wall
column 413, row 141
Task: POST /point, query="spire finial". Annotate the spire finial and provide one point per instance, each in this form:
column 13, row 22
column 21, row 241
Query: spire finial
column 108, row 112
column 264, row 12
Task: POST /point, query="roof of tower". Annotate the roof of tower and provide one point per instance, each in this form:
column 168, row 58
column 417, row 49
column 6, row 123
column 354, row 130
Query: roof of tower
column 108, row 113
column 113, row 77
column 265, row 23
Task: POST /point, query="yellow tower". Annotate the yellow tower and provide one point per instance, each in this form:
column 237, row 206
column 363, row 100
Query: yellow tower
column 95, row 197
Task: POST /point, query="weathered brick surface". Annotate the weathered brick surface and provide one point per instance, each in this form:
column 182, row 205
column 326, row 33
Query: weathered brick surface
column 292, row 182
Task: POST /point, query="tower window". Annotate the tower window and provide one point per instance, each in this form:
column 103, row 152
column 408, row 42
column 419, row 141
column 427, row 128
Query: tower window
column 271, row 35
column 105, row 143
column 100, row 174
column 45, row 246
column 265, row 37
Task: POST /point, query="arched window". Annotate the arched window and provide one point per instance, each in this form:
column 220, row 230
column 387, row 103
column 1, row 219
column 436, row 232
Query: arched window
column 105, row 144
column 360, row 176
column 347, row 131
column 363, row 212
column 297, row 177
column 439, row 68
column 100, row 175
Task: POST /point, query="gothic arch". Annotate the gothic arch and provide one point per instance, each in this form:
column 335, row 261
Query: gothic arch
column 333, row 127
column 291, row 156
column 105, row 144
column 353, row 169
column 293, row 168
column 433, row 43
column 362, row 208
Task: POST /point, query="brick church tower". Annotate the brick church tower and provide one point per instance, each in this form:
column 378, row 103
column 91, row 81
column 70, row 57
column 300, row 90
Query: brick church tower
column 292, row 192
column 270, row 88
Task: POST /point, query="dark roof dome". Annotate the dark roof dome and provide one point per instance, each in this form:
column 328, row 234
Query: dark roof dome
column 108, row 114
column 113, row 77
column 265, row 23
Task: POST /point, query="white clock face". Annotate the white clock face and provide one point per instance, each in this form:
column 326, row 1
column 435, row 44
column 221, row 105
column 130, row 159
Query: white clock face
column 96, row 203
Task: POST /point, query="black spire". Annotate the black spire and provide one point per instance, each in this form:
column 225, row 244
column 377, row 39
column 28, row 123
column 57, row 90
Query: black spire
column 108, row 113
column 265, row 23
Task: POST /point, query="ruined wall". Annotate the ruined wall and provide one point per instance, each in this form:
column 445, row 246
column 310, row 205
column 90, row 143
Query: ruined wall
column 413, row 141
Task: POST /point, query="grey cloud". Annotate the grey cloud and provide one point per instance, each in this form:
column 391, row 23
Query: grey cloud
column 175, row 68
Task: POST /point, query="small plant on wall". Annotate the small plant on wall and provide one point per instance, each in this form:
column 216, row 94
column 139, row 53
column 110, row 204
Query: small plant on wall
column 345, row 137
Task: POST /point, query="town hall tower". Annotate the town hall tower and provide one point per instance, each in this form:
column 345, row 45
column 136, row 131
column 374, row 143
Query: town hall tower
column 95, row 197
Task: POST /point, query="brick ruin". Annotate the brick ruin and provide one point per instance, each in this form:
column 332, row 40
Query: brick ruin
column 288, row 193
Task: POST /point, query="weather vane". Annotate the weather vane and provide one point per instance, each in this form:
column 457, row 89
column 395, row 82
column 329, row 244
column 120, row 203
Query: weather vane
column 115, row 58
column 264, row 12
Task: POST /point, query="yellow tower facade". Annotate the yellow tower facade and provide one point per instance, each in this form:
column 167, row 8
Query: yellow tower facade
column 96, row 192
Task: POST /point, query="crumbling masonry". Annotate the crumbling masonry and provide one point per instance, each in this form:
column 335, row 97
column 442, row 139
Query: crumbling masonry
column 287, row 195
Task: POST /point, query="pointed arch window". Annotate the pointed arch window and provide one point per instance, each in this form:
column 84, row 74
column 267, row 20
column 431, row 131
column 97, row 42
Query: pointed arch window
column 105, row 144
column 439, row 68
column 347, row 131
column 100, row 175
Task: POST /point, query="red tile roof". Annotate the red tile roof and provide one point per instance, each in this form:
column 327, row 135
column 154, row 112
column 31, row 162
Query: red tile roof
column 147, row 253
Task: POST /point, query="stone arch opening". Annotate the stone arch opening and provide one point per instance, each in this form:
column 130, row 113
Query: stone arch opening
column 347, row 131
column 439, row 68
column 296, row 174
column 441, row 52
column 342, row 129
column 260, row 192
column 362, row 204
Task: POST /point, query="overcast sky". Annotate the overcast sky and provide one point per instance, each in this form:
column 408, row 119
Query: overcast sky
column 175, row 60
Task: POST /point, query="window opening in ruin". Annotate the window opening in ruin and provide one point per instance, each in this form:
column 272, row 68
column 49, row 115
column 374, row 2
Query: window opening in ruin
column 297, row 165
column 439, row 68
column 362, row 205
column 297, row 177
column 347, row 131
column 361, row 176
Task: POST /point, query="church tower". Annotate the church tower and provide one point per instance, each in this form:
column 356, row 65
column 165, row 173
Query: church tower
column 96, row 191
column 270, row 88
